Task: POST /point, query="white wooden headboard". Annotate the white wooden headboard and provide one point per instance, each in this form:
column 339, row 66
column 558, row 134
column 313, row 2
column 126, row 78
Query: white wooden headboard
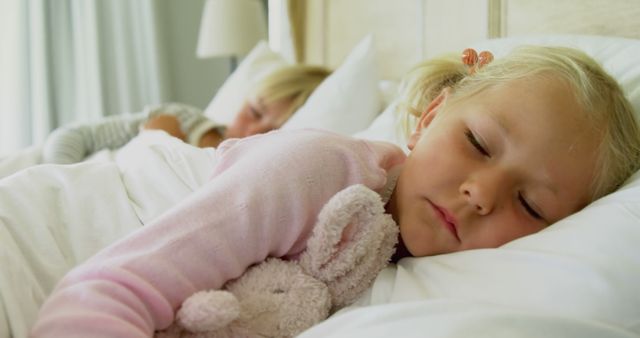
column 407, row 31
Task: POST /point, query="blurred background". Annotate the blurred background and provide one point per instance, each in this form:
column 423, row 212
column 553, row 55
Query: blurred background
column 66, row 61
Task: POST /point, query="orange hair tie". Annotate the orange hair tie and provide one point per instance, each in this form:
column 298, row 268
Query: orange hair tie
column 475, row 61
column 469, row 57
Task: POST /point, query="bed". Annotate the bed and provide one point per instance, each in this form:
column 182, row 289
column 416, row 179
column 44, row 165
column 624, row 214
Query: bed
column 576, row 279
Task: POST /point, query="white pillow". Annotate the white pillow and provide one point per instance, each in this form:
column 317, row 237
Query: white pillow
column 386, row 127
column 348, row 100
column 388, row 91
column 231, row 96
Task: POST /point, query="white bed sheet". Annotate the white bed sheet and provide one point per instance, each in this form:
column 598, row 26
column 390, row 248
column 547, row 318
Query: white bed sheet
column 19, row 160
column 53, row 217
column 450, row 318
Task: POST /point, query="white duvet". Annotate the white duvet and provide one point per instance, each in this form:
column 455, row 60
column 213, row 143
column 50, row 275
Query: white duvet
column 54, row 217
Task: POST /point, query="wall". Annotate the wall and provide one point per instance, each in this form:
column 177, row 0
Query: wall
column 333, row 27
column 192, row 80
column 407, row 31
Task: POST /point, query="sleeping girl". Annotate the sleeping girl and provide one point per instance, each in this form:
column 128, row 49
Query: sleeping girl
column 269, row 104
column 495, row 155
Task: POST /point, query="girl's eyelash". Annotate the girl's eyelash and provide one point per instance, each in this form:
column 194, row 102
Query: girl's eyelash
column 476, row 144
column 528, row 207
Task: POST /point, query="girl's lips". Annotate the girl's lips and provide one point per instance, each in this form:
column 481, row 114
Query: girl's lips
column 448, row 219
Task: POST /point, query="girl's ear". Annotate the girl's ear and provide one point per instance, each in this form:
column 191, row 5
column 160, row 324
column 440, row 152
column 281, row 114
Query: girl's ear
column 427, row 116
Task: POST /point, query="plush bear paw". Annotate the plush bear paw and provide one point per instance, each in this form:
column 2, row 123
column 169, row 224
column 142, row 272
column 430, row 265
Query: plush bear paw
column 208, row 311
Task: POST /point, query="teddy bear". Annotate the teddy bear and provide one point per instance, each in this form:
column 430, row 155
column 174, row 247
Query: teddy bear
column 352, row 241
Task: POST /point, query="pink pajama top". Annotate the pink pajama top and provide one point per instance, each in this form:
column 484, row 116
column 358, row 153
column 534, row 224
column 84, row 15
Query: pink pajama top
column 262, row 200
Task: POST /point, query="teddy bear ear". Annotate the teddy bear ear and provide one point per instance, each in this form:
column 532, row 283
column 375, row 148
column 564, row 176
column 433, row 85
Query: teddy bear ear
column 353, row 239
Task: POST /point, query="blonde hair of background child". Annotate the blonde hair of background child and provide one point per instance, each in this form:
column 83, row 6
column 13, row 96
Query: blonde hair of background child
column 600, row 96
column 294, row 82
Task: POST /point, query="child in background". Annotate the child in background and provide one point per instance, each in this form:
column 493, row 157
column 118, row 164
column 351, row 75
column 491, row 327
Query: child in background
column 269, row 104
column 496, row 155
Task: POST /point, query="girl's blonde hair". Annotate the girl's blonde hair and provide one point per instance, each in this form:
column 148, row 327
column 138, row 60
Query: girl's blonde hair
column 601, row 98
column 294, row 83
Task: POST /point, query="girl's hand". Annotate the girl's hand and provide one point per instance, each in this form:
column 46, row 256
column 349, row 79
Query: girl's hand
column 210, row 139
column 168, row 123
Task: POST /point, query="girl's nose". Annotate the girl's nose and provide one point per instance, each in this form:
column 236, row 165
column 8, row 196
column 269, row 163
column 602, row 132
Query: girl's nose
column 481, row 192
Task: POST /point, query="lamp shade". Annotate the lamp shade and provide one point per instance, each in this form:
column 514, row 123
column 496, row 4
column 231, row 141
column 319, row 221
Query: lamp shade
column 231, row 27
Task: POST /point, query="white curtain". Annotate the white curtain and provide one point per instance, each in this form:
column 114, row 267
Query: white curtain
column 75, row 60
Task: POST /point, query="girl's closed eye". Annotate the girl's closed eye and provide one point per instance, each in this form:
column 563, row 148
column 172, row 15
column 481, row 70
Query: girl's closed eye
column 255, row 113
column 527, row 206
column 476, row 144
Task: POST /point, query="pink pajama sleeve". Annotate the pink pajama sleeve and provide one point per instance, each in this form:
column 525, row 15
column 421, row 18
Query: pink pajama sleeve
column 262, row 201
